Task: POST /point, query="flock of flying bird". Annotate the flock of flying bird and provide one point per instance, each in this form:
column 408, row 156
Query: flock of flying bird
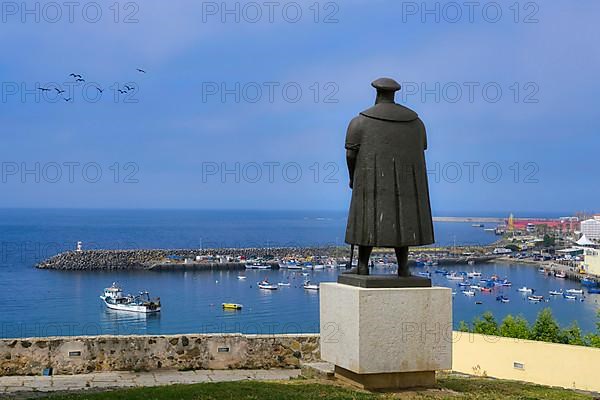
column 79, row 79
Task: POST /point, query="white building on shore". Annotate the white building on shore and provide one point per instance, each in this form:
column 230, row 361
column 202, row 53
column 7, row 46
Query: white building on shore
column 591, row 228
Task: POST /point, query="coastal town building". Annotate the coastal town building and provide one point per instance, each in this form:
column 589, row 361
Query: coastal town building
column 592, row 261
column 591, row 228
column 563, row 225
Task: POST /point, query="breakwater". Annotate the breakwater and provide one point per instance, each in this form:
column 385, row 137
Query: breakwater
column 210, row 259
column 160, row 259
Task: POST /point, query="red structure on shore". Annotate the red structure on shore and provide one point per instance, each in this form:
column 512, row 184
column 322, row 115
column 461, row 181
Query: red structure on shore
column 566, row 224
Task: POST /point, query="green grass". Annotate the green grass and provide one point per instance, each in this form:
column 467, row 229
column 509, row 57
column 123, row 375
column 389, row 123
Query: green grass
column 449, row 388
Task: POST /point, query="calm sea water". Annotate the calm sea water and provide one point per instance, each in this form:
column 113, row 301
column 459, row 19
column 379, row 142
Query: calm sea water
column 41, row 303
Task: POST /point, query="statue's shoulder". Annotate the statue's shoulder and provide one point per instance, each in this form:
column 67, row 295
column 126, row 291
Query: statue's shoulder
column 390, row 112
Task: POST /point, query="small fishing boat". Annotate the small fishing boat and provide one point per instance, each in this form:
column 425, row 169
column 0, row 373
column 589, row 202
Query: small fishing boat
column 294, row 265
column 257, row 265
column 479, row 302
column 541, row 270
column 556, row 292
column 232, row 306
column 242, row 277
column 425, row 274
column 441, row 271
column 506, row 283
column 569, row 296
column 575, row 291
column 114, row 299
column 486, row 290
column 310, row 286
column 266, row 285
column 473, row 274
column 503, row 299
column 594, row 290
column 588, row 282
column 464, row 284
column 454, row 277
column 475, row 287
column 535, row 299
column 469, row 293
column 560, row 275
column 305, row 274
column 525, row 289
column 284, row 284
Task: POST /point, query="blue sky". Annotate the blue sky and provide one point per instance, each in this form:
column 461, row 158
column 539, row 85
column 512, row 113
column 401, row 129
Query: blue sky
column 172, row 145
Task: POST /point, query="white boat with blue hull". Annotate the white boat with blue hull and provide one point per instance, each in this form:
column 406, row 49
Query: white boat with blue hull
column 114, row 299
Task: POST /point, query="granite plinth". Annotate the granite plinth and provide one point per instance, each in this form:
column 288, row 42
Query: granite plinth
column 383, row 281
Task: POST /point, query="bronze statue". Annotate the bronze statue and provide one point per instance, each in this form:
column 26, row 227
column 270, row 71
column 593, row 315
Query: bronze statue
column 385, row 151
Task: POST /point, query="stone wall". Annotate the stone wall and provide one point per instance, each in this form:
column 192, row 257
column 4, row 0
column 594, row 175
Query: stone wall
column 80, row 355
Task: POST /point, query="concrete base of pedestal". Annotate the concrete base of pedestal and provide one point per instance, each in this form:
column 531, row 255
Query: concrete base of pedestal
column 385, row 338
column 386, row 382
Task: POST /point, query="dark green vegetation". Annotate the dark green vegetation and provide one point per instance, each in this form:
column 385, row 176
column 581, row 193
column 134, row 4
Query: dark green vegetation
column 451, row 387
column 545, row 329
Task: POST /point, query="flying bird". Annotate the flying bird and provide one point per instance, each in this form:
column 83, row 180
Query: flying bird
column 128, row 88
column 67, row 100
column 58, row 91
column 122, row 91
column 80, row 80
column 98, row 89
column 76, row 76
column 43, row 89
column 141, row 70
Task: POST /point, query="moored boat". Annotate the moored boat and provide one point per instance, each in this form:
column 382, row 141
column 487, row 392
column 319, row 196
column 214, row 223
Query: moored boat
column 257, row 265
column 556, row 293
column 525, row 289
column 535, row 299
column 503, row 299
column 114, row 299
column 575, row 291
column 266, row 285
column 231, row 306
column 588, row 282
column 310, row 286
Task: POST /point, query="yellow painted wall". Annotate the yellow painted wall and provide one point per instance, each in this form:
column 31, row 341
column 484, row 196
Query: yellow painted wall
column 573, row 367
column 592, row 261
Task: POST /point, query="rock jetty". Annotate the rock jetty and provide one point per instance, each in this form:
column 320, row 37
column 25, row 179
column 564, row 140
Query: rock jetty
column 89, row 260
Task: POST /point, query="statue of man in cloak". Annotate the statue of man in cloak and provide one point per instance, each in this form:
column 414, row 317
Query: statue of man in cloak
column 385, row 151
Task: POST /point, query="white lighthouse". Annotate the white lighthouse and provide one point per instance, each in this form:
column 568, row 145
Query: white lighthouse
column 79, row 247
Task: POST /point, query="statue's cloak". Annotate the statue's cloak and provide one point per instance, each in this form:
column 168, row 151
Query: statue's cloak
column 390, row 198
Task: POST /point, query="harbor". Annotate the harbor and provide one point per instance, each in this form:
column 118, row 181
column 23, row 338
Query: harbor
column 195, row 280
column 192, row 301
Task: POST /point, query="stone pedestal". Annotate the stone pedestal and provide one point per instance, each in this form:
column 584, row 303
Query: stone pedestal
column 386, row 338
